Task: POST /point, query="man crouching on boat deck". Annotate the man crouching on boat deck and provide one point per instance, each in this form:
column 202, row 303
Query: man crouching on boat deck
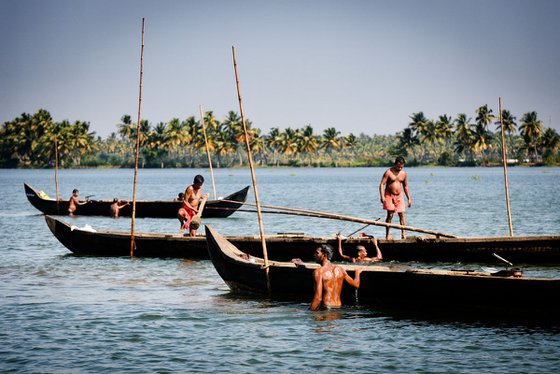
column 329, row 279
column 188, row 210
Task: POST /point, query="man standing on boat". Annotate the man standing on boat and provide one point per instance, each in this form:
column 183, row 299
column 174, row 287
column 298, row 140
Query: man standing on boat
column 329, row 280
column 189, row 209
column 391, row 192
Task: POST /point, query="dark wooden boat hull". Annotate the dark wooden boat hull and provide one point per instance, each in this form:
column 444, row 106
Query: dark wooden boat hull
column 519, row 250
column 387, row 286
column 144, row 208
column 117, row 243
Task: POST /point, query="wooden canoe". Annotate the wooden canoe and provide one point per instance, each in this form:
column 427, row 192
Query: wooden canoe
column 144, row 208
column 387, row 286
column 519, row 250
column 91, row 242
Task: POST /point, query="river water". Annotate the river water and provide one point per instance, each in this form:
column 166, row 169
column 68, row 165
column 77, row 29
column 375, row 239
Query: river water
column 63, row 313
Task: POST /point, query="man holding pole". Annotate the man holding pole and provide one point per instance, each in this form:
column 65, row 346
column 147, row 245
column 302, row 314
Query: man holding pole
column 391, row 192
column 189, row 209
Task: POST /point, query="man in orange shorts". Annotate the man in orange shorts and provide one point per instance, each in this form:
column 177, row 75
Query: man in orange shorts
column 391, row 191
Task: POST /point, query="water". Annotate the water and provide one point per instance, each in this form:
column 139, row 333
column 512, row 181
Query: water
column 62, row 313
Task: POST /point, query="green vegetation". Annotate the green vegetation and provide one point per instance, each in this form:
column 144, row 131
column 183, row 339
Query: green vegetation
column 28, row 142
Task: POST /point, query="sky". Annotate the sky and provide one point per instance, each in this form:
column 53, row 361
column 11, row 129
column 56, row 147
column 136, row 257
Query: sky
column 358, row 66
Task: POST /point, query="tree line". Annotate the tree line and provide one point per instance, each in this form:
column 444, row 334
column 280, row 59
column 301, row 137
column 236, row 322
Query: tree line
column 28, row 141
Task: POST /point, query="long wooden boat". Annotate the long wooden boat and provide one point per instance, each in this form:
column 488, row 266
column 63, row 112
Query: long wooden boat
column 519, row 250
column 144, row 208
column 90, row 242
column 387, row 286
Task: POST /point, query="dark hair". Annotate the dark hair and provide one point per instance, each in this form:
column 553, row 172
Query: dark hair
column 75, row 190
column 181, row 195
column 115, row 200
column 198, row 179
column 327, row 250
column 400, row 160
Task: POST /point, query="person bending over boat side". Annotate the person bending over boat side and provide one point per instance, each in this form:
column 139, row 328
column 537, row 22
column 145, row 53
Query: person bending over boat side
column 362, row 252
column 74, row 202
column 189, row 209
column 391, row 189
column 117, row 206
column 329, row 279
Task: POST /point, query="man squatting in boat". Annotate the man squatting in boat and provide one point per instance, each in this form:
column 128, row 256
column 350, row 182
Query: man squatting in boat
column 391, row 189
column 329, row 279
column 189, row 209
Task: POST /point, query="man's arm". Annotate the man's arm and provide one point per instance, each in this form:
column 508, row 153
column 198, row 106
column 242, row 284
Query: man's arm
column 378, row 255
column 318, row 278
column 382, row 187
column 347, row 258
column 353, row 282
column 406, row 191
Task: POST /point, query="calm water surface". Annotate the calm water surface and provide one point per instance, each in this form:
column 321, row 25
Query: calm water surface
column 62, row 313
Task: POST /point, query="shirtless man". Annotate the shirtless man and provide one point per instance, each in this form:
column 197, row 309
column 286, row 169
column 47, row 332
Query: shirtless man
column 117, row 206
column 74, row 202
column 391, row 191
column 362, row 252
column 189, row 209
column 329, row 279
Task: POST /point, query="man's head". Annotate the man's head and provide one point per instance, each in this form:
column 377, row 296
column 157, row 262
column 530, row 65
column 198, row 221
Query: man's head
column 75, row 192
column 325, row 250
column 115, row 200
column 399, row 163
column 198, row 180
column 362, row 251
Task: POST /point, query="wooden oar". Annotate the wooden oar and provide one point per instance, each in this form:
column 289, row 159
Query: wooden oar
column 504, row 160
column 56, row 172
column 253, row 177
column 207, row 150
column 132, row 244
column 311, row 213
column 195, row 222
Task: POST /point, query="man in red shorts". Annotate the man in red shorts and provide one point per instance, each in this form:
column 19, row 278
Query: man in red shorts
column 189, row 209
column 391, row 191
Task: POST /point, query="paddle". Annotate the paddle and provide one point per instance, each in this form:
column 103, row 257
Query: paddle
column 311, row 213
column 195, row 222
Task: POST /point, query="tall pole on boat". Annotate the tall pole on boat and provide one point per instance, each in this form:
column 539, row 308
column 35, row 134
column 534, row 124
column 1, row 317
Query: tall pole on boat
column 250, row 157
column 56, row 171
column 207, row 150
column 504, row 160
column 132, row 244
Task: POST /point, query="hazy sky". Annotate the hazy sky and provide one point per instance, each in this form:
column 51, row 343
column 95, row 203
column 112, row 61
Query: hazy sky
column 358, row 66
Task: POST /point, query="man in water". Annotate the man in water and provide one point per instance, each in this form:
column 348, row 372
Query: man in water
column 73, row 202
column 391, row 191
column 329, row 280
column 117, row 206
column 189, row 209
column 362, row 252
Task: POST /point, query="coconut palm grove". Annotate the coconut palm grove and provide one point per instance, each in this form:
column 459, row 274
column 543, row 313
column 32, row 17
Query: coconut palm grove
column 33, row 141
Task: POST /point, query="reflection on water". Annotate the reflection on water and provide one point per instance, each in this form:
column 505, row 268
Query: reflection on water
column 60, row 312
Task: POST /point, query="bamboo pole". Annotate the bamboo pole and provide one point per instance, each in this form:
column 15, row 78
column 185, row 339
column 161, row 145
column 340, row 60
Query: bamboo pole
column 250, row 157
column 132, row 243
column 207, row 151
column 56, row 172
column 311, row 213
column 504, row 160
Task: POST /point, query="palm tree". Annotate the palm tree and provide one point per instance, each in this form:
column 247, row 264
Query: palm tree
column 274, row 141
column 307, row 142
column 330, row 141
column 531, row 131
column 509, row 128
column 406, row 141
column 464, row 136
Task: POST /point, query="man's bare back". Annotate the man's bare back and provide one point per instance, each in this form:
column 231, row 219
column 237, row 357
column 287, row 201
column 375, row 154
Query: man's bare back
column 329, row 279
